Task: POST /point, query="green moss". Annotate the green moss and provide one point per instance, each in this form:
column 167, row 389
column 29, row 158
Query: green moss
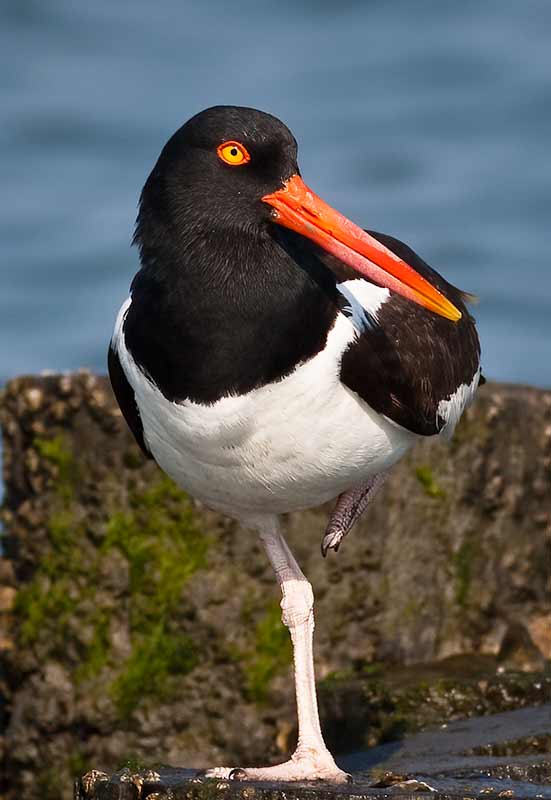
column 272, row 654
column 42, row 607
column 133, row 458
column 527, row 745
column 57, row 452
column 393, row 727
column 403, row 699
column 164, row 548
column 133, row 763
column 411, row 610
column 471, row 428
column 462, row 562
column 78, row 764
column 49, row 606
column 49, row 783
column 96, row 655
column 63, row 530
column 210, row 789
column 426, row 478
column 373, row 669
column 156, row 658
column 336, row 676
column 47, row 602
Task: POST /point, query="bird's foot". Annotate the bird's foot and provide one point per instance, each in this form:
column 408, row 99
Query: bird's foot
column 332, row 539
column 309, row 766
column 348, row 509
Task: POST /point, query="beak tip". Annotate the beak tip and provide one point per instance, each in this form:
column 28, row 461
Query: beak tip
column 295, row 206
column 458, row 315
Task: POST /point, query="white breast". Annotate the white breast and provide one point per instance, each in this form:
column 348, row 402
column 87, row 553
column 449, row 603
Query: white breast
column 282, row 447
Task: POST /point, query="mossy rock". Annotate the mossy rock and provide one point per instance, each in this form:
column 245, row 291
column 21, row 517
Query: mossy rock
column 145, row 626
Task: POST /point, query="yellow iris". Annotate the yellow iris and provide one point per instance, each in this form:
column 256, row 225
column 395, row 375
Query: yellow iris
column 233, row 153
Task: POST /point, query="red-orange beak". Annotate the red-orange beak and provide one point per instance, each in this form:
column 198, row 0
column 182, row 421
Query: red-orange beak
column 298, row 208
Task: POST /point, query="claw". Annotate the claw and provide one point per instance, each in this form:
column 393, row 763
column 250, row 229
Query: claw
column 332, row 541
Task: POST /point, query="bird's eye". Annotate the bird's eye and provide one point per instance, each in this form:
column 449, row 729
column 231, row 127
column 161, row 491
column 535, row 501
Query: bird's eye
column 233, row 153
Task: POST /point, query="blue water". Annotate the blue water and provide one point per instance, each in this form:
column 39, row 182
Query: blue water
column 430, row 120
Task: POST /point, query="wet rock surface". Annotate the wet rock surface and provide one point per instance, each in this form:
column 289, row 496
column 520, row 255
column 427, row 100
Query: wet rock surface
column 137, row 627
column 442, row 762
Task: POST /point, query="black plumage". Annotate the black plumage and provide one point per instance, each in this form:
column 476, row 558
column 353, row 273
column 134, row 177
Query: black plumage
column 227, row 301
column 126, row 398
column 412, row 359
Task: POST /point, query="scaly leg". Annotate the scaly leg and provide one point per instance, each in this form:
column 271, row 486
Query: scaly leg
column 311, row 759
column 348, row 509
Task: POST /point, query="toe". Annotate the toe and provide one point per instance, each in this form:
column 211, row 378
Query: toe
column 216, row 772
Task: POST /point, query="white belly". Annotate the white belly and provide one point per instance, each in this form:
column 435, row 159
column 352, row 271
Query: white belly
column 286, row 446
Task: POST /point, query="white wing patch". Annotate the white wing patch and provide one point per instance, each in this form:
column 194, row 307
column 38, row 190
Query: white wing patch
column 119, row 322
column 451, row 409
column 365, row 300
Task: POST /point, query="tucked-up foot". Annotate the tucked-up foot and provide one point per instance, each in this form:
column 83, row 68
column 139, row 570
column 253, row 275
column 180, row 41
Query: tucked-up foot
column 319, row 767
column 348, row 509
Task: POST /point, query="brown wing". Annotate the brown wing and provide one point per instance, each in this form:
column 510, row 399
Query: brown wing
column 412, row 359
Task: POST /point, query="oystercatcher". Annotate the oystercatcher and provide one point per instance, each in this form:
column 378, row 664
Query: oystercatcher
column 273, row 356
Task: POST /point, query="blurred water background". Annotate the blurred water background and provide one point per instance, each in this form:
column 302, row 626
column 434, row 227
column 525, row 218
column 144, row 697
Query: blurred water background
column 427, row 119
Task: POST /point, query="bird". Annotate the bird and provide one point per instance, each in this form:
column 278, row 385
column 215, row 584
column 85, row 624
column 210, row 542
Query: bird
column 273, row 355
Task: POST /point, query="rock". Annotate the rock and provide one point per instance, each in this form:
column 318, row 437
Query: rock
column 457, row 761
column 388, row 702
column 145, row 629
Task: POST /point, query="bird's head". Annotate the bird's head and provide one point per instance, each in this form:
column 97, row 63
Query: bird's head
column 232, row 171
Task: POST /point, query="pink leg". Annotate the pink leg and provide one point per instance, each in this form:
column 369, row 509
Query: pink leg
column 311, row 759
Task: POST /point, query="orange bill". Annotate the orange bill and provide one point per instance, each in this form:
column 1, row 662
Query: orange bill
column 298, row 208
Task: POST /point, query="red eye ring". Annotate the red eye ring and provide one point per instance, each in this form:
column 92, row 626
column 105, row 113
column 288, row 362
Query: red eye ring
column 233, row 153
